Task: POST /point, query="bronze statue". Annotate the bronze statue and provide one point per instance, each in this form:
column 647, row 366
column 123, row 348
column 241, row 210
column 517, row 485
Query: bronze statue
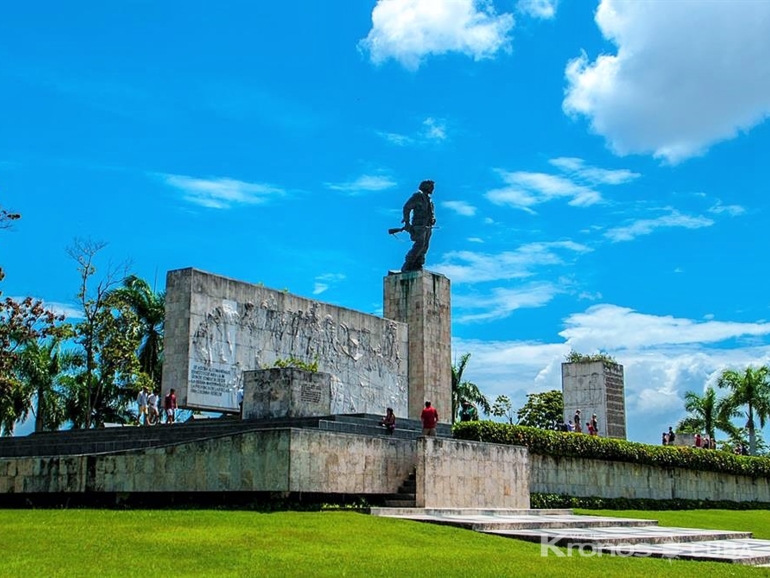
column 419, row 218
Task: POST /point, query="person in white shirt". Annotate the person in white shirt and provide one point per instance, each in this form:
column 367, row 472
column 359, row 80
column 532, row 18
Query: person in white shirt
column 141, row 401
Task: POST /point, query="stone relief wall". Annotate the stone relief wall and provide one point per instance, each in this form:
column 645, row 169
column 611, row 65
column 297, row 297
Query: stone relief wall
column 230, row 326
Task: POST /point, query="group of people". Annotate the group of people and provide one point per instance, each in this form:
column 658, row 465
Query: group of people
column 576, row 425
column 704, row 442
column 669, row 437
column 147, row 402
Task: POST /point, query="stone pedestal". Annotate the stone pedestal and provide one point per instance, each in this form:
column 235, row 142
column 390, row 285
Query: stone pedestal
column 285, row 392
column 595, row 387
column 421, row 299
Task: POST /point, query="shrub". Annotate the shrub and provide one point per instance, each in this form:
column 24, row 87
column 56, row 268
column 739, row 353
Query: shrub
column 553, row 443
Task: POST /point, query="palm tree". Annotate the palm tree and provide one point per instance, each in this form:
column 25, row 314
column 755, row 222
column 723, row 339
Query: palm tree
column 465, row 390
column 149, row 308
column 749, row 389
column 707, row 413
column 42, row 367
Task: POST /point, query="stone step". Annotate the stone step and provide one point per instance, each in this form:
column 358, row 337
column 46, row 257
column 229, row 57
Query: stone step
column 622, row 537
column 493, row 513
column 750, row 551
column 399, row 503
column 618, row 535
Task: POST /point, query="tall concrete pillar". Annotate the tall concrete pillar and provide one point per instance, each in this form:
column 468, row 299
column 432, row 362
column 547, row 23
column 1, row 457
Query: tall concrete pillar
column 596, row 387
column 422, row 300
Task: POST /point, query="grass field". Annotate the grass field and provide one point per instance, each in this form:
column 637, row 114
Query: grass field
column 147, row 543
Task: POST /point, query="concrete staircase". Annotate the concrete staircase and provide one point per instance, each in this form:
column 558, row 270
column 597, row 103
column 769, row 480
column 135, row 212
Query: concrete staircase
column 115, row 439
column 406, row 496
column 588, row 535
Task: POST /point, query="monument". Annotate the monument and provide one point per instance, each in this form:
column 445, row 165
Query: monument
column 596, row 387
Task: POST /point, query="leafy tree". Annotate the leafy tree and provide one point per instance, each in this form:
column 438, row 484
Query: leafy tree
column 21, row 322
column 542, row 410
column 707, row 414
column 503, row 408
column 465, row 390
column 109, row 336
column 149, row 308
column 749, row 389
column 577, row 357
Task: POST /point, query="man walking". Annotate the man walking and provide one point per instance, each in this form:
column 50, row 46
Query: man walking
column 429, row 417
column 141, row 401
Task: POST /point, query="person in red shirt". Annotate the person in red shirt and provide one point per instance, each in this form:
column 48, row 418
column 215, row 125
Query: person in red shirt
column 429, row 417
column 169, row 404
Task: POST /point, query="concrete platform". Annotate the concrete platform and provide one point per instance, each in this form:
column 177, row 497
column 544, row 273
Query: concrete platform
column 626, row 537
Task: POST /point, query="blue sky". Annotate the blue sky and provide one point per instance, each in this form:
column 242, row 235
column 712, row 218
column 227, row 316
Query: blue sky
column 600, row 167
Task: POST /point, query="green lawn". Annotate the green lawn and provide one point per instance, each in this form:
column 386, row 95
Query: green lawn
column 166, row 543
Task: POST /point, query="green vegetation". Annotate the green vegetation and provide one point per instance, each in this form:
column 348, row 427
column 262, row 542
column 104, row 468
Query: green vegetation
column 545, row 501
column 542, row 410
column 167, row 543
column 464, row 390
column 545, row 442
column 297, row 363
column 577, row 357
column 88, row 373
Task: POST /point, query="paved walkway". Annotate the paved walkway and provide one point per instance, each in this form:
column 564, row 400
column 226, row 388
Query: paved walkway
column 616, row 536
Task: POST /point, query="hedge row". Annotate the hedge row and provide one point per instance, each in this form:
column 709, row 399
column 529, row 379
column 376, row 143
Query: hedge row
column 553, row 443
column 548, row 501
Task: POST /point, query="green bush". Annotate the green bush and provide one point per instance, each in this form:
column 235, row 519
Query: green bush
column 549, row 501
column 562, row 444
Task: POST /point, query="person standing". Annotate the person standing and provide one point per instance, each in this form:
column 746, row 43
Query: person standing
column 152, row 408
column 169, row 404
column 419, row 218
column 468, row 412
column 594, row 425
column 429, row 417
column 141, row 401
column 576, row 422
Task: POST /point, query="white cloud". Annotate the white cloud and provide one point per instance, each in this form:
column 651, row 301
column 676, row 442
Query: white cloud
column 323, row 282
column 434, row 129
column 545, row 9
column 624, row 328
column 364, row 183
column 732, row 210
column 663, row 358
column 221, row 193
column 395, row 138
column 686, row 74
column 643, row 227
column 460, row 207
column 475, row 240
column 431, row 130
column 470, row 267
column 593, row 175
column 502, row 302
column 410, row 30
column 525, row 189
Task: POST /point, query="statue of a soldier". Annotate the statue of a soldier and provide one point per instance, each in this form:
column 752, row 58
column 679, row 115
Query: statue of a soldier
column 419, row 218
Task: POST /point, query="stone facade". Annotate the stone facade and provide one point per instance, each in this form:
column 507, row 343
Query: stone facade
column 422, row 300
column 596, row 387
column 286, row 392
column 455, row 473
column 217, row 328
column 450, row 473
column 604, row 479
column 280, row 460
